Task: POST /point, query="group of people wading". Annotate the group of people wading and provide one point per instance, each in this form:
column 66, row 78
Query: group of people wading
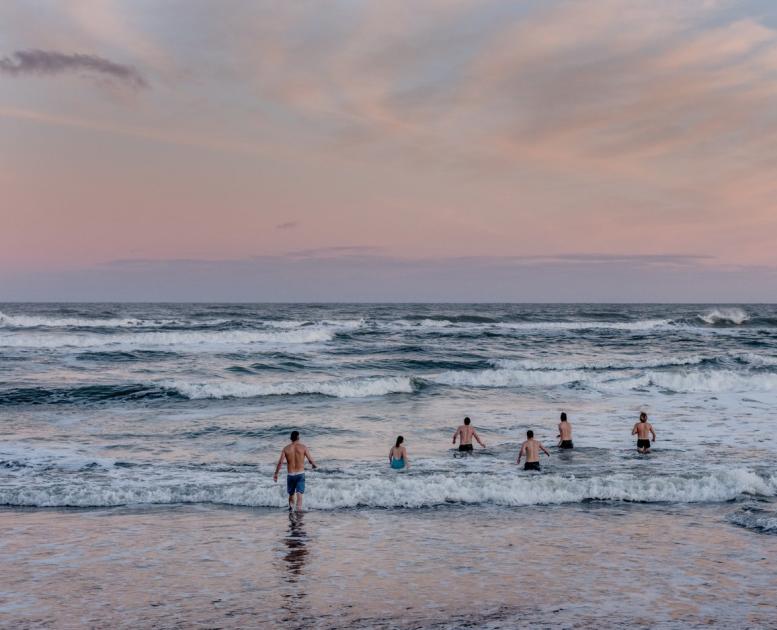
column 295, row 453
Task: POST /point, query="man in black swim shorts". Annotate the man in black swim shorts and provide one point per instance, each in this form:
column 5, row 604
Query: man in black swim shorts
column 643, row 430
column 531, row 448
column 565, row 433
column 466, row 432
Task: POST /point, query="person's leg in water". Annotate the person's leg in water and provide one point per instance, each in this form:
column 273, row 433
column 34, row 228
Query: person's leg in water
column 299, row 502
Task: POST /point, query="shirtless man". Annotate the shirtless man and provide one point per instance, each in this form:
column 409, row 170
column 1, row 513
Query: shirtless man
column 466, row 433
column 643, row 430
column 564, row 433
column 294, row 454
column 532, row 449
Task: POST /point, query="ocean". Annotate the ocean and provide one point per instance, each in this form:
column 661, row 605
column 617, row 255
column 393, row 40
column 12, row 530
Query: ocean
column 139, row 440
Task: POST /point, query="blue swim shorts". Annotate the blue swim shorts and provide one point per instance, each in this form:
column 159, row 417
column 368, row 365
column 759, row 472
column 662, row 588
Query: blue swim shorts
column 295, row 483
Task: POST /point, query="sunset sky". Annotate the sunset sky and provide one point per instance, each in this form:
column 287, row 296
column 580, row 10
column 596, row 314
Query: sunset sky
column 388, row 150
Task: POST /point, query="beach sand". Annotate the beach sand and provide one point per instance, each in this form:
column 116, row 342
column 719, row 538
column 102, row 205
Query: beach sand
column 586, row 566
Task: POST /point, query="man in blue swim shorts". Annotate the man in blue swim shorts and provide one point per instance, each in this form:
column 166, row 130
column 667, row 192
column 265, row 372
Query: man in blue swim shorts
column 294, row 454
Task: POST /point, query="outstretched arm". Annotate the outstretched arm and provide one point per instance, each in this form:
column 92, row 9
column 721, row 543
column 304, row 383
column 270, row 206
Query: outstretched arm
column 310, row 458
column 391, row 450
column 405, row 457
column 544, row 450
column 455, row 435
column 634, row 430
column 278, row 467
column 520, row 453
column 477, row 437
column 652, row 432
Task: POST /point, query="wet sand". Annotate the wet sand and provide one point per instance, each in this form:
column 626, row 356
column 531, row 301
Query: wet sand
column 590, row 565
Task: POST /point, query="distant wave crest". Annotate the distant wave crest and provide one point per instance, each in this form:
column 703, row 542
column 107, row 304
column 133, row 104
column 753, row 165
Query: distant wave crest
column 345, row 388
column 733, row 315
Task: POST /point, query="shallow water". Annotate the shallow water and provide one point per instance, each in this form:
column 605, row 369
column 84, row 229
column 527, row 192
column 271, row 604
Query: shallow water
column 115, row 408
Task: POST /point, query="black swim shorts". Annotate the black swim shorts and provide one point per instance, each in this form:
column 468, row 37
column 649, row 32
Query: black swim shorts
column 566, row 444
column 531, row 466
column 643, row 443
column 465, row 448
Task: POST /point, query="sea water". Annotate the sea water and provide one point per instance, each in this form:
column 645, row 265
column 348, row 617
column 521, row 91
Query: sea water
column 146, row 415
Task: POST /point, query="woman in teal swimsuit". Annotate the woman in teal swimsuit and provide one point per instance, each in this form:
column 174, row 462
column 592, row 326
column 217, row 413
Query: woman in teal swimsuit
column 398, row 455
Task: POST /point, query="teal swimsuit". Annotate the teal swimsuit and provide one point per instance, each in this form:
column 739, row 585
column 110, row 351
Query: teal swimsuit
column 398, row 464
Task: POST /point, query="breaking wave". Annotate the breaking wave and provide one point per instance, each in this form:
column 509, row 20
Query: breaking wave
column 40, row 321
column 703, row 381
column 328, row 492
column 187, row 339
column 734, row 315
column 346, row 388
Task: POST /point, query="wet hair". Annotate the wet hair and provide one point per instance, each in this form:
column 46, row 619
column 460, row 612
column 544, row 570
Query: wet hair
column 400, row 439
column 563, row 416
column 530, row 434
column 466, row 420
column 294, row 436
column 643, row 417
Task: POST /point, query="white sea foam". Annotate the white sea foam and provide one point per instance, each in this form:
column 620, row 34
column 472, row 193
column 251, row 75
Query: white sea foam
column 712, row 381
column 40, row 321
column 345, row 388
column 188, row 339
column 510, row 488
column 699, row 381
column 443, row 325
column 508, row 378
column 731, row 315
column 629, row 363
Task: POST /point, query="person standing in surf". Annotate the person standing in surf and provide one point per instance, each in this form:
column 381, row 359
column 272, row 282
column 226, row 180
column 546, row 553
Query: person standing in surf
column 398, row 455
column 531, row 448
column 643, row 430
column 295, row 454
column 565, row 433
column 465, row 433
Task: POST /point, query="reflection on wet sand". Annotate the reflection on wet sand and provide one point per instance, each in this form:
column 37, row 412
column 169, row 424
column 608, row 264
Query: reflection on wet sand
column 294, row 559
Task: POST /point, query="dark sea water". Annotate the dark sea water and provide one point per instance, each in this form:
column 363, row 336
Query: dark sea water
column 133, row 413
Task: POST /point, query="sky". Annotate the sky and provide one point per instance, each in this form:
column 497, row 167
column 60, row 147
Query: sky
column 388, row 150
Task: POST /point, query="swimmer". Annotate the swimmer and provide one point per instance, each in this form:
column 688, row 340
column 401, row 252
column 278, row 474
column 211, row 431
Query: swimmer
column 294, row 454
column 398, row 455
column 532, row 449
column 643, row 430
column 565, row 433
column 466, row 432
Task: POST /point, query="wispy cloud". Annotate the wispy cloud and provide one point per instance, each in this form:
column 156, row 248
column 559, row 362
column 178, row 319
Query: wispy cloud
column 338, row 251
column 287, row 225
column 49, row 62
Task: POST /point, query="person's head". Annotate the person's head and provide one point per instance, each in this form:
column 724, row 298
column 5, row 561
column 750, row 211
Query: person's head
column 466, row 420
column 563, row 416
column 643, row 417
column 529, row 434
column 294, row 436
column 400, row 439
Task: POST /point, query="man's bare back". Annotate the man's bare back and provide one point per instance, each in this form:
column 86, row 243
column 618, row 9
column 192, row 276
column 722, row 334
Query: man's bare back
column 642, row 430
column 531, row 448
column 294, row 454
